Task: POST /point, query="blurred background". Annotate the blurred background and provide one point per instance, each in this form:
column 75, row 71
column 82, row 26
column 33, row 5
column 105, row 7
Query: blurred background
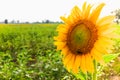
column 27, row 28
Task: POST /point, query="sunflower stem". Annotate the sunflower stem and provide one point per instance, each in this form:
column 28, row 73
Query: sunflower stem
column 95, row 70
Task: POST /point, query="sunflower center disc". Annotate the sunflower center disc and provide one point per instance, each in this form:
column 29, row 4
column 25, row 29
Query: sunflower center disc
column 79, row 39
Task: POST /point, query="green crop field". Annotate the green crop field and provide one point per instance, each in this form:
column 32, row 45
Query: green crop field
column 27, row 53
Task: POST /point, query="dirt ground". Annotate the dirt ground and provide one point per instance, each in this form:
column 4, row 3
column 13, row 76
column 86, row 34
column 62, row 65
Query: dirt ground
column 114, row 78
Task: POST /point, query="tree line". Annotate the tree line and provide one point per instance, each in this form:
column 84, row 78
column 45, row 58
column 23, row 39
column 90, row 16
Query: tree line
column 6, row 21
column 116, row 13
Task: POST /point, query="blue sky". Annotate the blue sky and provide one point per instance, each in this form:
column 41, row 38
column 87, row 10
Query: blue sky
column 37, row 10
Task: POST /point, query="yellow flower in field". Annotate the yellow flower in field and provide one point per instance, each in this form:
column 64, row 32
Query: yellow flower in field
column 84, row 38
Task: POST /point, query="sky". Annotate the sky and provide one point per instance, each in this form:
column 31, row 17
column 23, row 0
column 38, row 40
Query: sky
column 38, row 10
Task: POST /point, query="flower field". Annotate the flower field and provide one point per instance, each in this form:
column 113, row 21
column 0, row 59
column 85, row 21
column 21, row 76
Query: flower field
column 27, row 52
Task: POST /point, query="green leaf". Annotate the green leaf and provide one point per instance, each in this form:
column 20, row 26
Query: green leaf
column 81, row 75
column 107, row 58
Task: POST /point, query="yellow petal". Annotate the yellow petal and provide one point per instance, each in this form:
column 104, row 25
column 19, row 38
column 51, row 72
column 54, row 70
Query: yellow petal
column 107, row 40
column 107, row 46
column 83, row 62
column 111, row 35
column 104, row 28
column 70, row 63
column 105, row 20
column 65, row 51
column 100, row 48
column 62, row 28
column 77, row 64
column 60, row 45
column 86, row 12
column 67, row 58
column 89, row 63
column 84, row 7
column 74, row 68
column 97, row 56
column 61, row 37
column 109, row 30
column 75, row 14
column 67, row 21
column 95, row 14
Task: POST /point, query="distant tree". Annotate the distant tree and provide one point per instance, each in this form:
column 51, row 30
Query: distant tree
column 18, row 21
column 43, row 21
column 13, row 21
column 27, row 22
column 37, row 22
column 47, row 21
column 6, row 21
column 117, row 14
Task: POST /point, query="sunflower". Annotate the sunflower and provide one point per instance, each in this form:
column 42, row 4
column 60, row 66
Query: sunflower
column 84, row 37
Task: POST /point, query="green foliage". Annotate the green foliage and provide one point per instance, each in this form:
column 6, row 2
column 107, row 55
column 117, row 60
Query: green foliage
column 109, row 57
column 84, row 76
column 27, row 53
